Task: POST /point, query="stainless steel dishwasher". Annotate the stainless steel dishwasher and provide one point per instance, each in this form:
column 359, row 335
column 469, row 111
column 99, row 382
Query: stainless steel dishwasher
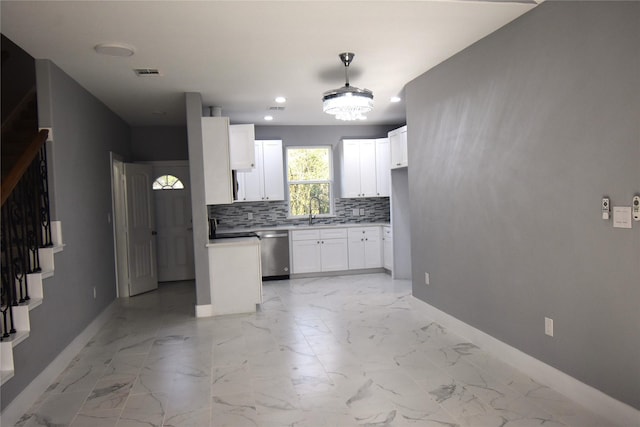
column 274, row 248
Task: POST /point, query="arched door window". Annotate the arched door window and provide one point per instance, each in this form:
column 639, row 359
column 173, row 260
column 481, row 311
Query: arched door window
column 168, row 182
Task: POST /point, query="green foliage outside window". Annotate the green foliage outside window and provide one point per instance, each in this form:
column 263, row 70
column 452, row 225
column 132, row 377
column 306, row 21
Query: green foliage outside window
column 309, row 176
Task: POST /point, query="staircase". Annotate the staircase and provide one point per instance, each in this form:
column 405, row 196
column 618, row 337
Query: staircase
column 29, row 239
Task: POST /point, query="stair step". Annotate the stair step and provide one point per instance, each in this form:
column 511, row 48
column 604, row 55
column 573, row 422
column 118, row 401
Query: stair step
column 5, row 375
column 16, row 338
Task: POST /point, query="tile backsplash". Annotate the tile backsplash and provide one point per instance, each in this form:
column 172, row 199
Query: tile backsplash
column 274, row 213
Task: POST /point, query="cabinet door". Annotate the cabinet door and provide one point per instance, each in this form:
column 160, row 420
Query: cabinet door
column 372, row 248
column 404, row 153
column 251, row 180
column 306, row 256
column 334, row 254
column 356, row 248
column 383, row 172
column 215, row 157
column 398, row 142
column 272, row 170
column 242, row 138
column 387, row 248
column 351, row 168
column 368, row 168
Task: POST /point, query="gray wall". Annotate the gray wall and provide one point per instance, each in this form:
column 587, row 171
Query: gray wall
column 156, row 143
column 513, row 142
column 193, row 108
column 84, row 133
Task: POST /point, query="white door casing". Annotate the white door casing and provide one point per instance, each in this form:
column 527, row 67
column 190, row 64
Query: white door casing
column 141, row 247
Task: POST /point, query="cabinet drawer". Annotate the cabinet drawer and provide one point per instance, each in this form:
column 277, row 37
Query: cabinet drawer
column 333, row 233
column 364, row 231
column 305, row 235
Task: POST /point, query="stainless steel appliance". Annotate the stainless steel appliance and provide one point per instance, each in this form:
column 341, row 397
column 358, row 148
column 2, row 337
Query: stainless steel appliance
column 274, row 248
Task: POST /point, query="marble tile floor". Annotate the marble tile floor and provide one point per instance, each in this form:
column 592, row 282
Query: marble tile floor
column 332, row 351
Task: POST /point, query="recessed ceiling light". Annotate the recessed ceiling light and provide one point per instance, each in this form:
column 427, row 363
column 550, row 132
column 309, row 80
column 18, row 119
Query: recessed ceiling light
column 268, row 118
column 395, row 99
column 114, row 49
column 281, row 99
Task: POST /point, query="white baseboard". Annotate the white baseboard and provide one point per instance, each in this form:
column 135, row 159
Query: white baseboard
column 23, row 402
column 604, row 405
column 204, row 310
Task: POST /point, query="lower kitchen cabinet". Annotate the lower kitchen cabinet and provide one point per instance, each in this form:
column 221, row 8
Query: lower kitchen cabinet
column 319, row 250
column 365, row 248
column 387, row 248
column 235, row 275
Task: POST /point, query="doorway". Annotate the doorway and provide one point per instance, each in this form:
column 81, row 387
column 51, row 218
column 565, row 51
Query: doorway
column 133, row 227
column 172, row 201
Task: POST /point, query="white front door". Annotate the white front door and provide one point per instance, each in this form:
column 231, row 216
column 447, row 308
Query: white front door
column 141, row 245
column 173, row 223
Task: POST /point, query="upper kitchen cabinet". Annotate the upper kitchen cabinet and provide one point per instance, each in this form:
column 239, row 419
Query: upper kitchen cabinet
column 266, row 181
column 216, row 159
column 398, row 142
column 383, row 172
column 241, row 140
column 365, row 167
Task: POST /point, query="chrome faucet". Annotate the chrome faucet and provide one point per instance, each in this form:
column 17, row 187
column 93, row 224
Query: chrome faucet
column 310, row 214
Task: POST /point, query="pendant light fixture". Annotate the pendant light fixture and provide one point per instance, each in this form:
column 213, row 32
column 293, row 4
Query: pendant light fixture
column 347, row 102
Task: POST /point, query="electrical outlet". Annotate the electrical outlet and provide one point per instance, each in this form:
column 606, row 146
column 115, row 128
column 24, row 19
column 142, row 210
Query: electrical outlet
column 94, row 292
column 249, row 215
column 426, row 278
column 548, row 326
column 361, row 211
column 355, row 212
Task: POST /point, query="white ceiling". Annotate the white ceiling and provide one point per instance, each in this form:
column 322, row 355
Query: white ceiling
column 240, row 55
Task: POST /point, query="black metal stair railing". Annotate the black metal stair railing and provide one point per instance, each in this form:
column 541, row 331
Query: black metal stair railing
column 26, row 227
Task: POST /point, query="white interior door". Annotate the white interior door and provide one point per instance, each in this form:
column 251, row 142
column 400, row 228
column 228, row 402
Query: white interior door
column 141, row 245
column 120, row 225
column 174, row 224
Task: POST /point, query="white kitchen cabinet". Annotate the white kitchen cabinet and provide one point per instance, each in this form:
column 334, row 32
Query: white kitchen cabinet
column 266, row 181
column 235, row 275
column 216, row 160
column 398, row 142
column 383, row 172
column 387, row 248
column 306, row 256
column 319, row 250
column 365, row 248
column 241, row 142
column 359, row 168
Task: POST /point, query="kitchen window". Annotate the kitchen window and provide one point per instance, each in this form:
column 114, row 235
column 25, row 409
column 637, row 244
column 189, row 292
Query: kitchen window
column 310, row 181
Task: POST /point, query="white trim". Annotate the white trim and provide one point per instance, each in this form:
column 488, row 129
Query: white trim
column 204, row 310
column 23, row 402
column 606, row 406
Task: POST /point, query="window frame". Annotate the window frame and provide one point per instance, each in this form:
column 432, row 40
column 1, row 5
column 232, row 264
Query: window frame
column 165, row 187
column 330, row 181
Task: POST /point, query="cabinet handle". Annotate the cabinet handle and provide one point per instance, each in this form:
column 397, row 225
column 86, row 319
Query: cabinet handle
column 322, row 242
column 366, row 239
column 318, row 242
column 267, row 198
column 397, row 164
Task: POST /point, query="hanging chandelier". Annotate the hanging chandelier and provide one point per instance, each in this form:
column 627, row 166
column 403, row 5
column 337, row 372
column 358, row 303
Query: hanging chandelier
column 347, row 102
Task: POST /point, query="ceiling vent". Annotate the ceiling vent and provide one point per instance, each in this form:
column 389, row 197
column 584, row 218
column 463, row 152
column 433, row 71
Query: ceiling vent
column 276, row 108
column 147, row 72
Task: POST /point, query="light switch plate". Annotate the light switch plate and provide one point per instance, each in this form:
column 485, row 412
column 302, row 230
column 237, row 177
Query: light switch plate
column 548, row 326
column 622, row 216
